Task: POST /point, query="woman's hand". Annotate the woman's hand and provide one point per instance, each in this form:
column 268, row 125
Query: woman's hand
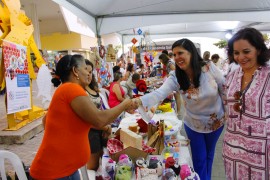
column 136, row 102
column 107, row 132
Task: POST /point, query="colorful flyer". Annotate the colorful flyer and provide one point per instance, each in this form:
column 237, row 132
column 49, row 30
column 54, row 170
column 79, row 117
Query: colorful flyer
column 17, row 77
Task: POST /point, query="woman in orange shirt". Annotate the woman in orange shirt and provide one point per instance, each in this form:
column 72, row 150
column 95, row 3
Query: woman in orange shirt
column 65, row 146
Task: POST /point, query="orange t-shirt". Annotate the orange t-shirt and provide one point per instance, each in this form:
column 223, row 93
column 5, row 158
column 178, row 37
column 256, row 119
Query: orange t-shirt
column 65, row 145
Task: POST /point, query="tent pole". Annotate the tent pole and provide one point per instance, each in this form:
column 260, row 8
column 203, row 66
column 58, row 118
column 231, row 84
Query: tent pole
column 98, row 32
column 123, row 43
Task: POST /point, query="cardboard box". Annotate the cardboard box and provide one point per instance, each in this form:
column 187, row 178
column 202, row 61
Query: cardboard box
column 132, row 152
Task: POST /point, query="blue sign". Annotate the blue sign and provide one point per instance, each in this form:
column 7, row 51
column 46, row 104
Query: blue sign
column 23, row 80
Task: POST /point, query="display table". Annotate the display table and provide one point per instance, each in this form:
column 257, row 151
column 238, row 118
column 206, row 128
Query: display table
column 185, row 157
column 184, row 154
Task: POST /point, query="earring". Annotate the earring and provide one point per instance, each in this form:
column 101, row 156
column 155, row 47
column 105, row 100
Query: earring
column 77, row 78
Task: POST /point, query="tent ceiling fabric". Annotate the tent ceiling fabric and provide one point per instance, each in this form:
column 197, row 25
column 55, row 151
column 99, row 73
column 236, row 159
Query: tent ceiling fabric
column 162, row 17
column 212, row 18
column 111, row 8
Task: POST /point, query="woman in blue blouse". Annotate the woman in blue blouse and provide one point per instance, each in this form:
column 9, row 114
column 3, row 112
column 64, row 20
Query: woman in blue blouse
column 200, row 83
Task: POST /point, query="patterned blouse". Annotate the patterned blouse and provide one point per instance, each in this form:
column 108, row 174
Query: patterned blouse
column 204, row 107
column 246, row 141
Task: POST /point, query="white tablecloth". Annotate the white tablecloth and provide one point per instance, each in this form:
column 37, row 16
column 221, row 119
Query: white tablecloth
column 185, row 157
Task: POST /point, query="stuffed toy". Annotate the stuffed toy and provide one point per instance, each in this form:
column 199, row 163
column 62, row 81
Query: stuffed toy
column 188, row 173
column 141, row 85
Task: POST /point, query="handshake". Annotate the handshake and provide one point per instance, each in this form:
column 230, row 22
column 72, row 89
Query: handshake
column 134, row 104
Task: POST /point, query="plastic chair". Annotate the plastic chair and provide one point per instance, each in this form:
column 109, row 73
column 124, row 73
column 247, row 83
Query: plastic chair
column 16, row 163
column 87, row 174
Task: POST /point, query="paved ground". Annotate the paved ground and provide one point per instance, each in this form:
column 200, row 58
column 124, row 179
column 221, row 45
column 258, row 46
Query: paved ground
column 27, row 150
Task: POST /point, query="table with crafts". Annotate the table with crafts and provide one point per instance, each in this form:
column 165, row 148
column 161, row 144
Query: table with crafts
column 175, row 125
column 171, row 117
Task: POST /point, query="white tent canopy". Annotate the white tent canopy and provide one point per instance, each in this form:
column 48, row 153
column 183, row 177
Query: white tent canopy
column 163, row 18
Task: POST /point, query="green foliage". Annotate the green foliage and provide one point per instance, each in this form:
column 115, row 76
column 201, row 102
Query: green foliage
column 221, row 43
column 266, row 38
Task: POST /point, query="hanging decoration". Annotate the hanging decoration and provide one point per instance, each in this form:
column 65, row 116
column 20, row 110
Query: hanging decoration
column 110, row 57
column 146, row 44
column 95, row 58
column 135, row 50
column 139, row 31
column 146, row 58
column 134, row 40
column 104, row 76
column 102, row 51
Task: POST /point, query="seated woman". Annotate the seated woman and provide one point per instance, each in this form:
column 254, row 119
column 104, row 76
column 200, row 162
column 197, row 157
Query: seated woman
column 117, row 94
column 97, row 136
column 130, row 71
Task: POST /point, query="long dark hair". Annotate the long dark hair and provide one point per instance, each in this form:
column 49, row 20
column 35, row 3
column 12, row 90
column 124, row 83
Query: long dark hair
column 93, row 84
column 64, row 68
column 196, row 63
column 255, row 38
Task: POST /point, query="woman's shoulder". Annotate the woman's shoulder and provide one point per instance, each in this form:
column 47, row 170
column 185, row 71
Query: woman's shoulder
column 70, row 86
column 266, row 67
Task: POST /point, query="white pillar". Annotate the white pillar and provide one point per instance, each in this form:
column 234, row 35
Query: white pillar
column 31, row 12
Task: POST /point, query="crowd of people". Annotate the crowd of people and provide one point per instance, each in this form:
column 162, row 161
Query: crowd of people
column 78, row 124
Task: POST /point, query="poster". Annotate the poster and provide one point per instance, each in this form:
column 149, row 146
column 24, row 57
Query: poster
column 17, row 77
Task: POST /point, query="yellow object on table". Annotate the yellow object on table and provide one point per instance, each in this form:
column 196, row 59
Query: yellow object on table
column 166, row 107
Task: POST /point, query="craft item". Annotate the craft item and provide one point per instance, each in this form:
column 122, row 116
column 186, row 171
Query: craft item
column 160, row 142
column 124, row 160
column 130, row 138
column 176, row 168
column 110, row 168
column 168, row 174
column 148, row 174
column 143, row 126
column 133, row 127
column 141, row 163
column 188, row 172
column 155, row 163
column 169, row 162
column 153, row 139
column 123, row 173
column 152, row 128
column 110, row 57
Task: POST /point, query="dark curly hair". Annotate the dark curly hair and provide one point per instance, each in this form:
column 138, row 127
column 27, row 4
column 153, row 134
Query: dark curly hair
column 196, row 63
column 255, row 38
column 64, row 68
column 93, row 84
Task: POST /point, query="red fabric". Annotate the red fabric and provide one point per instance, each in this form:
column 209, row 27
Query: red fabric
column 136, row 95
column 143, row 125
column 115, row 145
column 141, row 85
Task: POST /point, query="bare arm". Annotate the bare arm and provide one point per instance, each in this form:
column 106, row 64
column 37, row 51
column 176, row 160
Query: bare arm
column 116, row 89
column 126, row 76
column 87, row 111
column 178, row 101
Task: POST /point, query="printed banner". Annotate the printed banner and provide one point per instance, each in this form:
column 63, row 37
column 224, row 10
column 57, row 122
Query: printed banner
column 17, row 77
